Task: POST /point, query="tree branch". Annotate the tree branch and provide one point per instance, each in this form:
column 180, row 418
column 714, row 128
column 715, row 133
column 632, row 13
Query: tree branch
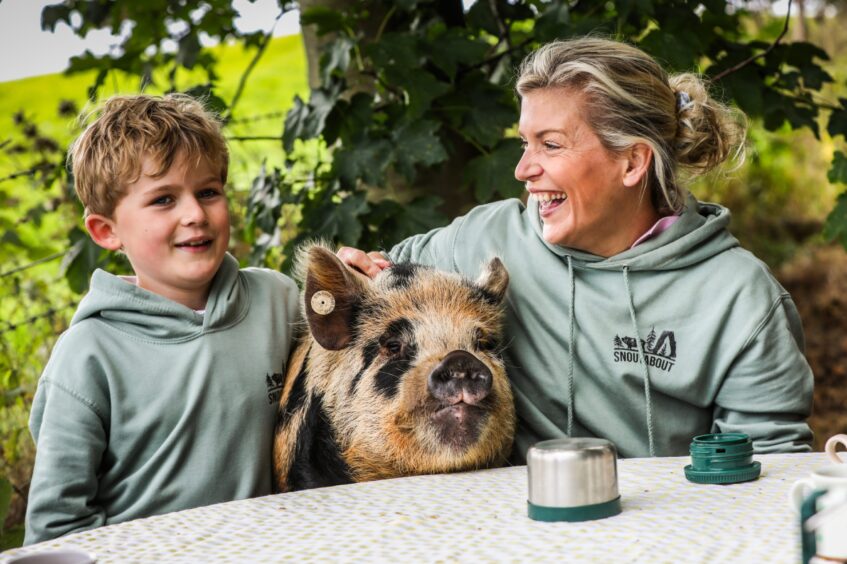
column 749, row 60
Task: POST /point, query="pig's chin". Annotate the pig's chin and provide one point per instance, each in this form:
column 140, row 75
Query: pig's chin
column 459, row 425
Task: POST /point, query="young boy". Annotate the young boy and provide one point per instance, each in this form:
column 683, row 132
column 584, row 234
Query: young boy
column 161, row 394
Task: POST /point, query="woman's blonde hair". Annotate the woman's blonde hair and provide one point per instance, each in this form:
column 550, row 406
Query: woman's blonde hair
column 108, row 155
column 629, row 99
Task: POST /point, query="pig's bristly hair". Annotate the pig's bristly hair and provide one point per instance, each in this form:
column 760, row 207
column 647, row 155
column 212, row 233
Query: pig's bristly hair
column 382, row 434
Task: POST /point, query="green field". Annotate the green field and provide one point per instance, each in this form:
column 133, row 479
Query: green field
column 280, row 74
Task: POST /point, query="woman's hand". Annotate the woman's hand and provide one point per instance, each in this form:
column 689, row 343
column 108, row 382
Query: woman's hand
column 370, row 264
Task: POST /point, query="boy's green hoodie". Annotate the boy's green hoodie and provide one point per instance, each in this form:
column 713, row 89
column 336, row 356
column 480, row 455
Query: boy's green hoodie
column 147, row 406
column 722, row 339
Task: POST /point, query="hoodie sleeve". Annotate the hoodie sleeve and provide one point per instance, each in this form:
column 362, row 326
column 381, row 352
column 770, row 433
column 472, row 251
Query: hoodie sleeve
column 70, row 439
column 434, row 248
column 768, row 391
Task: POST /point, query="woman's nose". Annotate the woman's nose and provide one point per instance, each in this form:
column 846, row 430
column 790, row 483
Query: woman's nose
column 527, row 168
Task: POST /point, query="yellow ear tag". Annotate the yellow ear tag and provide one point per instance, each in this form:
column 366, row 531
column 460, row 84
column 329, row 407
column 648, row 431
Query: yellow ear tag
column 323, row 302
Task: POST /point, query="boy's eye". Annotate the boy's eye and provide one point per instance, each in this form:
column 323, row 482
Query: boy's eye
column 162, row 201
column 209, row 193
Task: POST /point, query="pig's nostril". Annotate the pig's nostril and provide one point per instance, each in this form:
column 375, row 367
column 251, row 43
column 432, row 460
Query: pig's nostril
column 460, row 376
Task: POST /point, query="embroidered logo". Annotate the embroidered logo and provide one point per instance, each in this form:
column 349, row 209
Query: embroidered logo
column 660, row 351
column 274, row 383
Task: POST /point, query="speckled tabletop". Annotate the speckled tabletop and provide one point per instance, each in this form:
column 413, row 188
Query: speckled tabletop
column 475, row 516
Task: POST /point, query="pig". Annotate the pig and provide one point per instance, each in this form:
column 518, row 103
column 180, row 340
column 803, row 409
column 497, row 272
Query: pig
column 395, row 376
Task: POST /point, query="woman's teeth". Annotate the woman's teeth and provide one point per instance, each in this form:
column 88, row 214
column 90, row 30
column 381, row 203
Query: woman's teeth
column 549, row 196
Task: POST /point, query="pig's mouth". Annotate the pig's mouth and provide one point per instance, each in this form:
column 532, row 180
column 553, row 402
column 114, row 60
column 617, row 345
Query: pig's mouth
column 459, row 424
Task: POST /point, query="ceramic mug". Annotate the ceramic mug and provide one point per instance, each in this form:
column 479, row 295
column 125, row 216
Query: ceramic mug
column 818, row 498
column 832, row 444
column 824, row 478
column 823, row 520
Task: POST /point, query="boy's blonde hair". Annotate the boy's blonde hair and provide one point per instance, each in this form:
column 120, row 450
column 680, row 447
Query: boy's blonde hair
column 108, row 155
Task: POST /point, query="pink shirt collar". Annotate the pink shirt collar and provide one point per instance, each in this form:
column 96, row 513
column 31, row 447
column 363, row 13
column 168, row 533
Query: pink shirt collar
column 662, row 225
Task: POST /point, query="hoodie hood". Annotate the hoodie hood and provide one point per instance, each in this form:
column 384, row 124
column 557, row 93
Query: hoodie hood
column 142, row 313
column 699, row 234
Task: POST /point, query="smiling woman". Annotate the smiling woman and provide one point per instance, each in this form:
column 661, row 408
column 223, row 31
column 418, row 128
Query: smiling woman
column 633, row 314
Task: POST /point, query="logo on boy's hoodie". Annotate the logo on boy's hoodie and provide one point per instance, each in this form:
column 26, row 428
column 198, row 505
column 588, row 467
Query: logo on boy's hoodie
column 659, row 350
column 274, row 383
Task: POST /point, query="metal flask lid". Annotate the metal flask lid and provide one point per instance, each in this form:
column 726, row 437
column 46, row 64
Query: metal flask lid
column 722, row 458
column 573, row 480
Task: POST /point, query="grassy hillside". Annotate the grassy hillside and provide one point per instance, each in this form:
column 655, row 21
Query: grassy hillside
column 280, row 74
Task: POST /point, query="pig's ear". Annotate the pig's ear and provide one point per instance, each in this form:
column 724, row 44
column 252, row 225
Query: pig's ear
column 494, row 280
column 332, row 296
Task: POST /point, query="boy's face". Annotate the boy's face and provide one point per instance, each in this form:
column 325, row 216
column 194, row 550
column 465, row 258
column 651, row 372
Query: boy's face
column 174, row 230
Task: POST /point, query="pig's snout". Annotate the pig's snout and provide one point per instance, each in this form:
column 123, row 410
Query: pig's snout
column 460, row 377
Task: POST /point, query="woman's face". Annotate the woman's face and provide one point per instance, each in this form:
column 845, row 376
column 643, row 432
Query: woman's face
column 583, row 200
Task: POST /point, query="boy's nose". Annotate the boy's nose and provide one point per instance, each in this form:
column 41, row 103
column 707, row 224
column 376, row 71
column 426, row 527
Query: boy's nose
column 193, row 212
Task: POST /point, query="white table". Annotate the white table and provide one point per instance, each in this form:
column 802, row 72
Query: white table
column 475, row 516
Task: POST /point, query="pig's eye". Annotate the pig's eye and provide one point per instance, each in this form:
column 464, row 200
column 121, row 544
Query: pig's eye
column 484, row 342
column 393, row 346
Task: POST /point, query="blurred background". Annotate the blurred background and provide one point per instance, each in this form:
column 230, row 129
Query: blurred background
column 364, row 122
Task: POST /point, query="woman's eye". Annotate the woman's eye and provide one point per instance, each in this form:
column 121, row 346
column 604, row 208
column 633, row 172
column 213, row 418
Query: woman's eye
column 551, row 146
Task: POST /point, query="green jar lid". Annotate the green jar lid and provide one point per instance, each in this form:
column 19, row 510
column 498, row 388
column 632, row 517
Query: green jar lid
column 722, row 458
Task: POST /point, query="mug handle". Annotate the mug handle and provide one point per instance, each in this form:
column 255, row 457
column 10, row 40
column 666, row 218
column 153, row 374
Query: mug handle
column 799, row 490
column 832, row 444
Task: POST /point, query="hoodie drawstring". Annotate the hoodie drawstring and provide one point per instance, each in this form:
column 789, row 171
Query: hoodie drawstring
column 643, row 361
column 571, row 351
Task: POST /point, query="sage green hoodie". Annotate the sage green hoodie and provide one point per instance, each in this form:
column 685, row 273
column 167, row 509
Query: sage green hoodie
column 722, row 340
column 147, row 406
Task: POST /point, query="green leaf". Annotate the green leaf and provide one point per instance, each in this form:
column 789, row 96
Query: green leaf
column 339, row 221
column 553, row 22
column 451, row 49
column 481, row 110
column 835, row 228
column 838, row 172
column 212, row 102
column 745, row 87
column 366, row 161
column 336, row 58
column 390, row 221
column 81, row 260
column 11, row 237
column 189, row 48
column 326, row 19
column 53, row 14
column 495, row 172
column 838, row 120
column 421, row 87
column 5, row 499
column 306, row 121
column 416, row 143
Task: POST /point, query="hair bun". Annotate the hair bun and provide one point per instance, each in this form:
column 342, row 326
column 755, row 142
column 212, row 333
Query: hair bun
column 708, row 132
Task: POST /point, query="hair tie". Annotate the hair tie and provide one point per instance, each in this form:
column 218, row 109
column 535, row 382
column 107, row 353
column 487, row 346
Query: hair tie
column 682, row 100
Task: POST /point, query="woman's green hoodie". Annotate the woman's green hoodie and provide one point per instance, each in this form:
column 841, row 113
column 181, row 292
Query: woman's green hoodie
column 721, row 341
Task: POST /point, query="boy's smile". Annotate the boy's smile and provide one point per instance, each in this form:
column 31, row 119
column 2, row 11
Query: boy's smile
column 174, row 229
